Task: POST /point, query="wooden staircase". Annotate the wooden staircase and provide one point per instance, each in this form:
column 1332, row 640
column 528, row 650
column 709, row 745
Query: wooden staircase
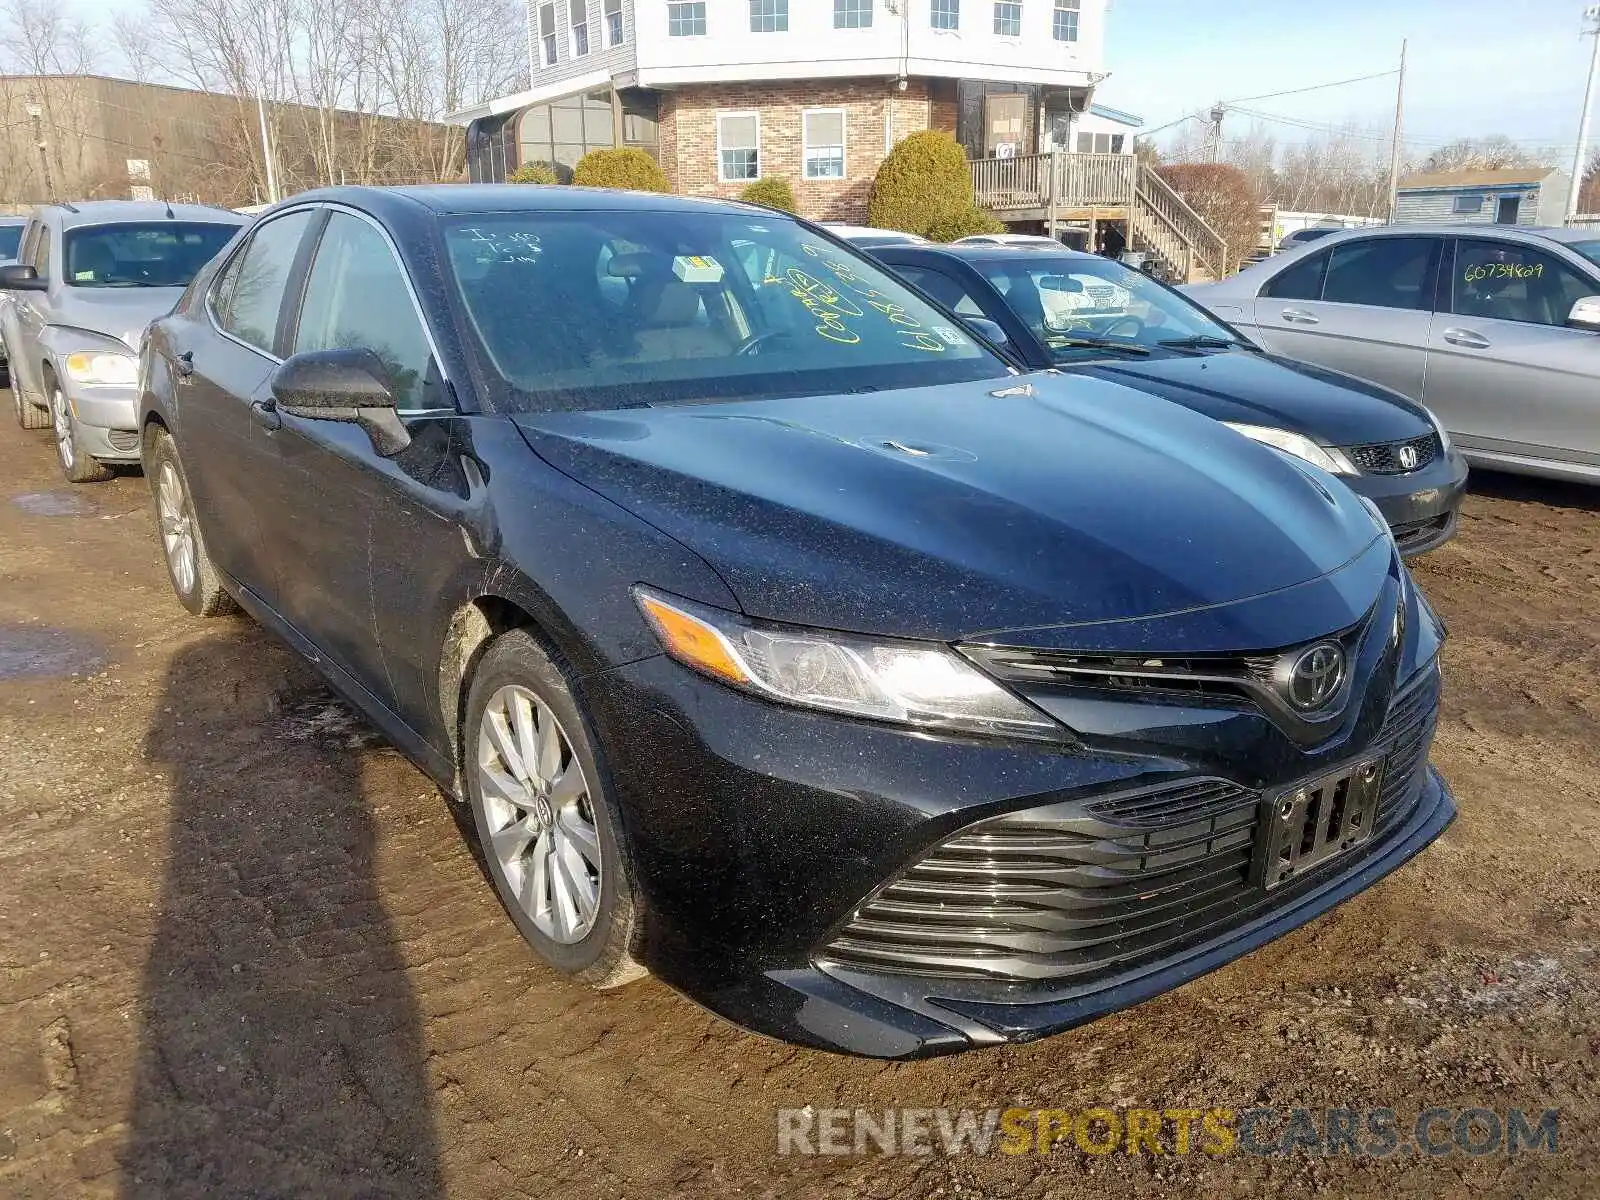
column 1104, row 187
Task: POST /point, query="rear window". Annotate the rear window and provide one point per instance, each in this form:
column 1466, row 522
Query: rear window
column 10, row 239
column 159, row 254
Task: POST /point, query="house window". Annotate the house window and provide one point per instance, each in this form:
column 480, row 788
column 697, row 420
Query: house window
column 686, row 18
column 852, row 14
column 1468, row 205
column 1064, row 24
column 1008, row 18
column 1100, row 143
column 738, row 147
column 578, row 13
column 823, row 135
column 613, row 14
column 769, row 16
column 945, row 14
column 547, row 34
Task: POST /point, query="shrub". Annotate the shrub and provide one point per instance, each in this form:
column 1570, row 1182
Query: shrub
column 966, row 223
column 621, row 168
column 774, row 193
column 1223, row 198
column 535, row 172
column 924, row 181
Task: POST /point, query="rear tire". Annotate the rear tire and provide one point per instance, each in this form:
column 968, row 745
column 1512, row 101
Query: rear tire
column 189, row 568
column 77, row 465
column 541, row 801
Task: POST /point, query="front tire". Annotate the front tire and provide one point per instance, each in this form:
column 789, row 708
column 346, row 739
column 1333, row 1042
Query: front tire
column 76, row 465
column 189, row 568
column 541, row 801
column 29, row 414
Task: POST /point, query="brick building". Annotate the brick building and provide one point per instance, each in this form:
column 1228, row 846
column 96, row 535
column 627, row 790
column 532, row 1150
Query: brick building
column 724, row 92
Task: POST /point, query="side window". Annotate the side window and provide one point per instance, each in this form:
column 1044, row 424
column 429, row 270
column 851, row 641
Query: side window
column 30, row 235
column 1504, row 281
column 357, row 298
column 1303, row 281
column 41, row 253
column 1387, row 272
column 249, row 292
column 947, row 291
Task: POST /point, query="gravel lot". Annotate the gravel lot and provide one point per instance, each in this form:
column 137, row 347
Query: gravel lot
column 245, row 950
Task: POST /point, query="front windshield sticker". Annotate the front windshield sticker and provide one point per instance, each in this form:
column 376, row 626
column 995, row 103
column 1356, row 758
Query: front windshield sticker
column 695, row 268
column 820, row 298
column 950, row 335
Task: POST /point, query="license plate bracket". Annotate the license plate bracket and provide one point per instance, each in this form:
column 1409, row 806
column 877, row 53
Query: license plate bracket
column 1317, row 820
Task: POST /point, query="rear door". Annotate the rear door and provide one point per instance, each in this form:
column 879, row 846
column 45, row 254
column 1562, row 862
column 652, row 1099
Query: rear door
column 223, row 357
column 1364, row 306
column 1505, row 373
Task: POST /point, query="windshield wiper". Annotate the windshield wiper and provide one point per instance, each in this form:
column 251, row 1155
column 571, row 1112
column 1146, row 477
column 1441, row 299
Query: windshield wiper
column 1056, row 342
column 1203, row 341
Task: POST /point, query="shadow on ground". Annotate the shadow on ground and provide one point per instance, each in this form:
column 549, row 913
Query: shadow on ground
column 1533, row 489
column 281, row 1051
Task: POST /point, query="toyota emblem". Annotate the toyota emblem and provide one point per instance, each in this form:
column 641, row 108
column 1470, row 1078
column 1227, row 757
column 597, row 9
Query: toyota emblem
column 1408, row 458
column 1316, row 676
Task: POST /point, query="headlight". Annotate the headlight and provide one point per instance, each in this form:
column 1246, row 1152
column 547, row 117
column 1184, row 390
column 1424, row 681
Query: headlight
column 103, row 370
column 908, row 683
column 1326, row 457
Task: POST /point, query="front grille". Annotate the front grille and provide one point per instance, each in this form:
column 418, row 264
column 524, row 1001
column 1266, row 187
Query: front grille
column 1410, row 534
column 1385, row 458
column 1076, row 890
column 125, row 440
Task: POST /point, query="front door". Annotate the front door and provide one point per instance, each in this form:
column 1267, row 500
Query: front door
column 1505, row 373
column 1004, row 119
column 1363, row 306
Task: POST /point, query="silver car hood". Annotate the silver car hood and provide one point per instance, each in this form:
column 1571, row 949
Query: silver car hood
column 117, row 312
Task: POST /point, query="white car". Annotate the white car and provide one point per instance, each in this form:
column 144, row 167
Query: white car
column 1071, row 239
column 867, row 236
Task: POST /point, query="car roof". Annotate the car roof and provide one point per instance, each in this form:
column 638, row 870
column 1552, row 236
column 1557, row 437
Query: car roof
column 109, row 212
column 466, row 199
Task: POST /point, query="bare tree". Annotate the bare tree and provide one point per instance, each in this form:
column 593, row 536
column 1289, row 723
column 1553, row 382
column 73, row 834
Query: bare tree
column 1483, row 154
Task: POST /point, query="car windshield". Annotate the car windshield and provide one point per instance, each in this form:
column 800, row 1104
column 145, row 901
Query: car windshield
column 1077, row 304
column 158, row 254
column 1590, row 250
column 621, row 308
column 10, row 239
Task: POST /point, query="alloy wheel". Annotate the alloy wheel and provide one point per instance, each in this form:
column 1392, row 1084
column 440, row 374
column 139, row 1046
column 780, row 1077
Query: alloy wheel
column 539, row 814
column 61, row 418
column 177, row 527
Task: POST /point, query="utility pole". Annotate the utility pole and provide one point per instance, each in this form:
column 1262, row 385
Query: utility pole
column 1591, row 16
column 1399, row 129
column 266, row 152
column 1218, row 111
column 37, row 114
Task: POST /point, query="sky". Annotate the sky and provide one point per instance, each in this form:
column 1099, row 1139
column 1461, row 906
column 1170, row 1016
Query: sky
column 1475, row 67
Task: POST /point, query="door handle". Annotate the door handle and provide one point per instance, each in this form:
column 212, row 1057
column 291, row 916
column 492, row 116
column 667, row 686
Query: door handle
column 1465, row 337
column 1299, row 316
column 265, row 414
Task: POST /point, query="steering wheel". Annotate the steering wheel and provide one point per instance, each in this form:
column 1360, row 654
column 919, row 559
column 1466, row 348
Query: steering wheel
column 751, row 346
column 1133, row 324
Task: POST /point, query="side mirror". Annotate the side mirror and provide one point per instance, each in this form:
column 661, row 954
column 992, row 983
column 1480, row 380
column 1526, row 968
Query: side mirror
column 1585, row 314
column 989, row 331
column 19, row 278
column 342, row 385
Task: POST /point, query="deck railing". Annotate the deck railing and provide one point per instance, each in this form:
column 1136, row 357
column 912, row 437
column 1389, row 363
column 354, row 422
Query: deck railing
column 1081, row 181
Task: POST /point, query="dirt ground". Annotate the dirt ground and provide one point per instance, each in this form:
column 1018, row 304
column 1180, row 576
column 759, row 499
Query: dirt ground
column 245, row 951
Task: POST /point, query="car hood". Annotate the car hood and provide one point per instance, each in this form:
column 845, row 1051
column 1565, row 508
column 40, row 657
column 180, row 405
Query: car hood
column 120, row 313
column 1260, row 389
column 947, row 511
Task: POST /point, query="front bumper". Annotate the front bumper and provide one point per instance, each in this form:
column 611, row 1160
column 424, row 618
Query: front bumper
column 759, row 833
column 108, row 421
column 1420, row 506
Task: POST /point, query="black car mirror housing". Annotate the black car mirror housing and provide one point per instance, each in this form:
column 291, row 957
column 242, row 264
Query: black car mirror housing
column 19, row 277
column 989, row 331
column 342, row 385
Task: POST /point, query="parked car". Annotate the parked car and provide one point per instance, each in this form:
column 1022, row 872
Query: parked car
column 1077, row 239
column 1493, row 327
column 10, row 237
column 867, row 235
column 780, row 638
column 91, row 277
column 1312, row 233
column 1090, row 316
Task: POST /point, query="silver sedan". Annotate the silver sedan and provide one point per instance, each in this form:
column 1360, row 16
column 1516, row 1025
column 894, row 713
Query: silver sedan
column 1495, row 328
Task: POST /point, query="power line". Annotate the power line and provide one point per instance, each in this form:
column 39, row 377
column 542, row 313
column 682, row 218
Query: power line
column 1316, row 87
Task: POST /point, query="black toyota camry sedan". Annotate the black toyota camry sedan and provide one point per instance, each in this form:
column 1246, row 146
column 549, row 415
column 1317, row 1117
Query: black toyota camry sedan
column 1081, row 313
column 782, row 639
